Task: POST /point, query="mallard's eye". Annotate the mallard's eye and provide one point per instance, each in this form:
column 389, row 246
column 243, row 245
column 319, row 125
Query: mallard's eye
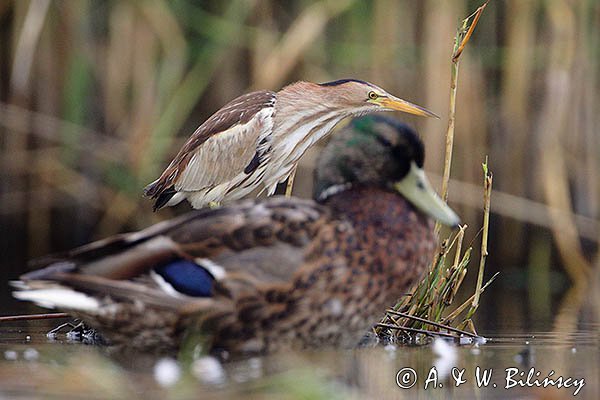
column 373, row 95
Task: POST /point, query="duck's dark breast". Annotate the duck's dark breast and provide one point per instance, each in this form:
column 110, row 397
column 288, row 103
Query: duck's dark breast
column 386, row 248
column 362, row 261
column 376, row 249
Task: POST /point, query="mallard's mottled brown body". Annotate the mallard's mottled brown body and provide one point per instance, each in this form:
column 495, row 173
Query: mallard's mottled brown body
column 354, row 268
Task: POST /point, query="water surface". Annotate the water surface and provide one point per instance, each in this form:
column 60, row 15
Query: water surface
column 31, row 365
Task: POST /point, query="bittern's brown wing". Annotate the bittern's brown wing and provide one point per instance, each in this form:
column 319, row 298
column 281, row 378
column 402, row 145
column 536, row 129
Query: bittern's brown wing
column 220, row 149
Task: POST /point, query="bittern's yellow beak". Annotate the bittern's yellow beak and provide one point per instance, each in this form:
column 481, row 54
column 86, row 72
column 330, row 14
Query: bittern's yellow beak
column 415, row 187
column 394, row 103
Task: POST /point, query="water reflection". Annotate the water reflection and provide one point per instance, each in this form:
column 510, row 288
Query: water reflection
column 31, row 365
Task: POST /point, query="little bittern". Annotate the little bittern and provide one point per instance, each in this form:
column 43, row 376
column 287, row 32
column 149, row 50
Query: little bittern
column 265, row 274
column 256, row 140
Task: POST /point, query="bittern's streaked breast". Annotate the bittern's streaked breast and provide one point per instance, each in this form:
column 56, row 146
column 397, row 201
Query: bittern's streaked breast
column 256, row 140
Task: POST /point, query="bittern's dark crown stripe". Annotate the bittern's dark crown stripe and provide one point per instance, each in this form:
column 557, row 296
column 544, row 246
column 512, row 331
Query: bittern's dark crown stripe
column 342, row 81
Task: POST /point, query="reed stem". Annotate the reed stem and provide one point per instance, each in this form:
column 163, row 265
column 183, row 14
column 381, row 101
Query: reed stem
column 460, row 41
column 487, row 194
column 12, row 318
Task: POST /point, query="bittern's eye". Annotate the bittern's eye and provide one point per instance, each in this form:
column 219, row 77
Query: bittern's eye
column 373, row 95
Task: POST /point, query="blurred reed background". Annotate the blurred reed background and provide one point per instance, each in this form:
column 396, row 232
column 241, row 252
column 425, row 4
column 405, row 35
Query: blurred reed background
column 97, row 96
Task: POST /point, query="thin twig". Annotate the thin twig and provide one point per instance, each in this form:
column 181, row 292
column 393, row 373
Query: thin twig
column 31, row 317
column 415, row 330
column 470, row 31
column 459, row 238
column 290, row 182
column 460, row 42
column 436, row 324
column 487, row 192
column 464, row 305
column 460, row 277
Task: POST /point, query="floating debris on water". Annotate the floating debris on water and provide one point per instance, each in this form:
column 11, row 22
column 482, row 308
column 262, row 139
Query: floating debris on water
column 479, row 340
column 11, row 355
column 31, row 354
column 166, row 372
column 247, row 370
column 467, row 340
column 447, row 356
column 390, row 348
column 526, row 356
column 369, row 339
column 463, row 340
column 208, row 370
column 78, row 332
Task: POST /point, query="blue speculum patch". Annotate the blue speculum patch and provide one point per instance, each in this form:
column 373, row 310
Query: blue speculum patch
column 187, row 277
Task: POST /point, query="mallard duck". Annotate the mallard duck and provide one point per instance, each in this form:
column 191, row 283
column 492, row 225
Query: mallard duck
column 263, row 275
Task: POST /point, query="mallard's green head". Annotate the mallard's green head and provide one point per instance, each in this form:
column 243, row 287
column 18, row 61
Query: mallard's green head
column 380, row 152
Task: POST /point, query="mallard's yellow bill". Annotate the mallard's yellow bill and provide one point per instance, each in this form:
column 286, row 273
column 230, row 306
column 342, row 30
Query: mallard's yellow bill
column 415, row 187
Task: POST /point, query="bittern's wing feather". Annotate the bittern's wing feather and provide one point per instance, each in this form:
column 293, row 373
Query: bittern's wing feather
column 226, row 154
column 221, row 147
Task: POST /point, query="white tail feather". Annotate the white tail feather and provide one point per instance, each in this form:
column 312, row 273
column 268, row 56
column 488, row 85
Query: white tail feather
column 59, row 297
